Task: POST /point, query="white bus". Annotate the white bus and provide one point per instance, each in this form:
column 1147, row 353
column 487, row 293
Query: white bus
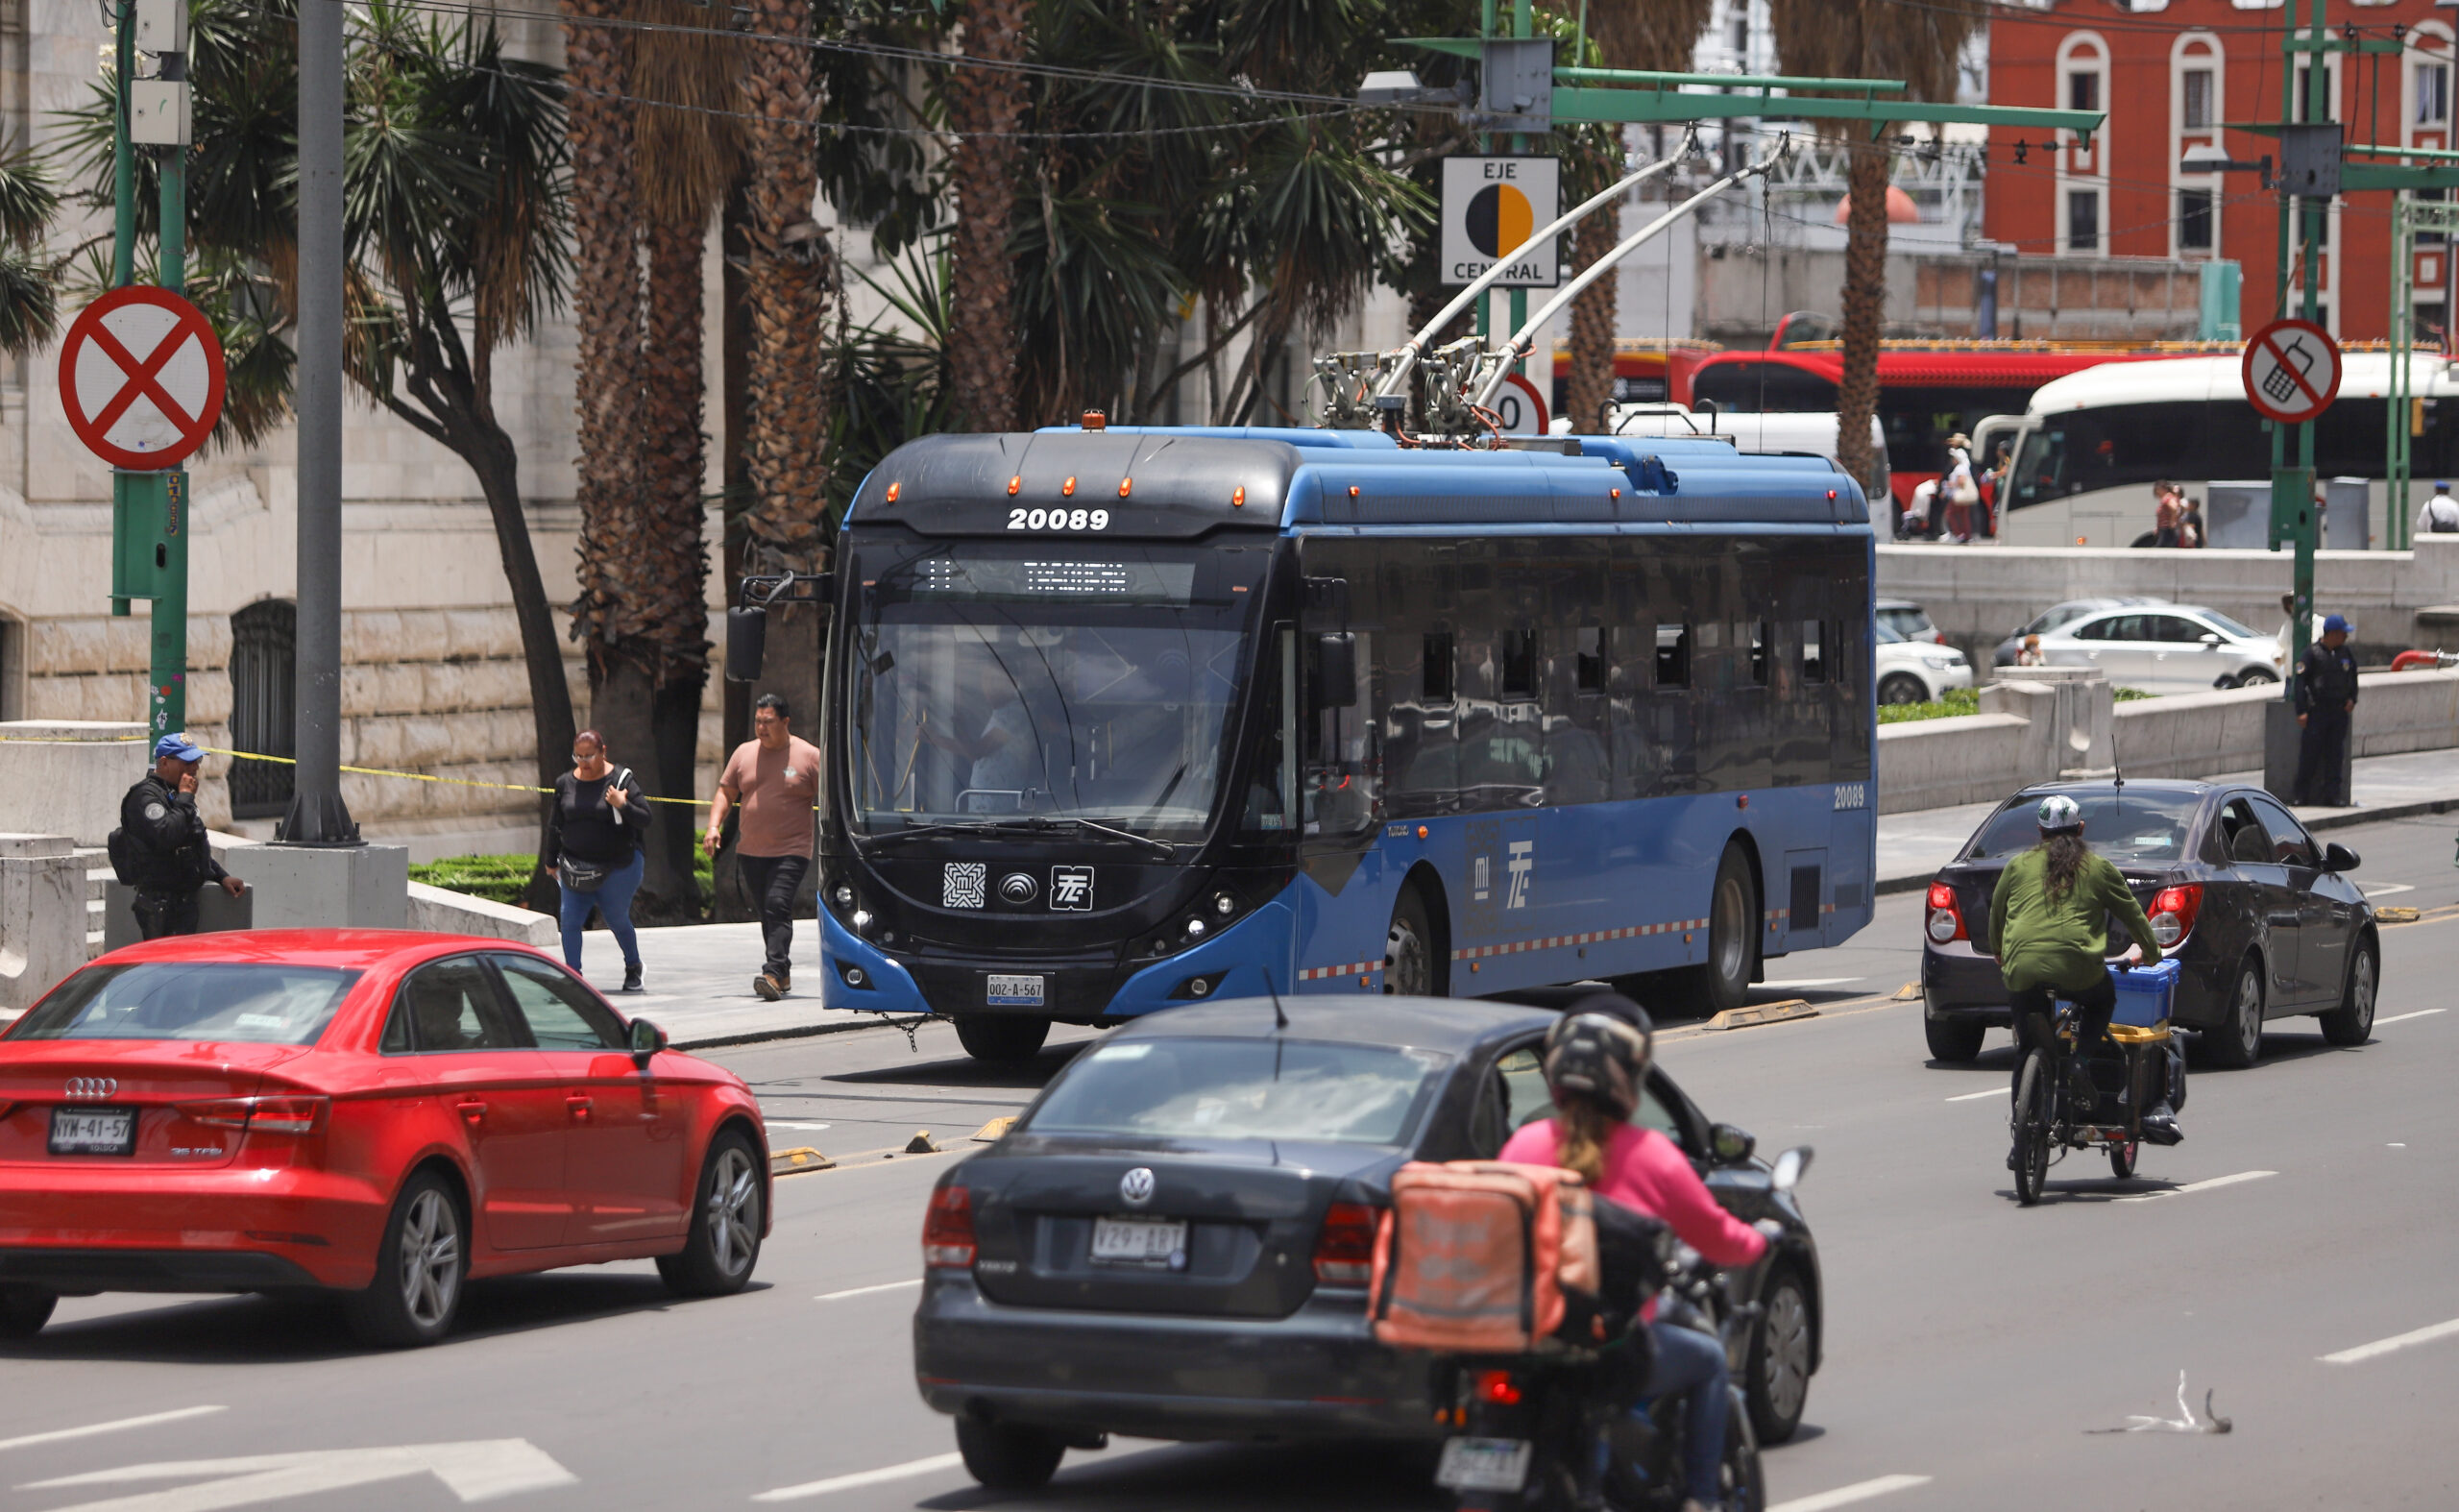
column 1777, row 432
column 2095, row 442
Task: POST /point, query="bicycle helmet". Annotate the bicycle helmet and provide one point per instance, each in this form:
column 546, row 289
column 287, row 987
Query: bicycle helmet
column 2058, row 812
column 1599, row 1050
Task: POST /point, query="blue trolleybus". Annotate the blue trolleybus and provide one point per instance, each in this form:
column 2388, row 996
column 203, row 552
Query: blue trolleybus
column 1122, row 718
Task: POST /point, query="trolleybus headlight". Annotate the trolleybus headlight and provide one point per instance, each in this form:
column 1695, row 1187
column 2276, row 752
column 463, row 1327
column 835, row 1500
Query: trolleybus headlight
column 844, row 896
column 1195, row 929
column 862, row 921
column 1224, row 904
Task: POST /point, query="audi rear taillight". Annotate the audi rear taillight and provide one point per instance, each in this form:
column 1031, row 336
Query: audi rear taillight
column 281, row 1115
column 1946, row 920
column 2173, row 912
column 947, row 1229
column 1345, row 1252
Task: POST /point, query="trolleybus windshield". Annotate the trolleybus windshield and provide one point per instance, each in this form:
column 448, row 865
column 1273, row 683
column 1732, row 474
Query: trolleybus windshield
column 992, row 681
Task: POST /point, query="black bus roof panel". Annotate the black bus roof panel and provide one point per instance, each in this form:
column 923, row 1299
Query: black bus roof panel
column 1184, row 482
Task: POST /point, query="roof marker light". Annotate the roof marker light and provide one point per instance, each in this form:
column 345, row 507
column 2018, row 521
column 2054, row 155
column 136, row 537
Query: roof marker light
column 891, row 492
column 1618, row 492
column 1352, row 490
column 1831, row 496
column 1123, row 485
column 1238, row 496
column 1015, row 483
column 1068, row 488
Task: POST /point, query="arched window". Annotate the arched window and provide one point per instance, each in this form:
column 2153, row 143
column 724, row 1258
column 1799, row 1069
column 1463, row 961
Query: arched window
column 264, row 641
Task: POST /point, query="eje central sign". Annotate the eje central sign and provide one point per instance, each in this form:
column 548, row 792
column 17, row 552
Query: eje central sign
column 1490, row 205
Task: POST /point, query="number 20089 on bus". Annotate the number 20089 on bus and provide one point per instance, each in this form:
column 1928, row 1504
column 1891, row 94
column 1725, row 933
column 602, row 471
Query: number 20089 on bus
column 1059, row 519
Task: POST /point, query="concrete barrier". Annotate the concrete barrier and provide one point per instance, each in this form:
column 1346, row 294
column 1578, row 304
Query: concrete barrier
column 444, row 912
column 2026, row 735
column 67, row 777
column 42, row 915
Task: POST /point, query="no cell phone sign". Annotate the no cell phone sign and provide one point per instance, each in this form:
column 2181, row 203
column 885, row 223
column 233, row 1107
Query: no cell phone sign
column 2292, row 371
column 141, row 376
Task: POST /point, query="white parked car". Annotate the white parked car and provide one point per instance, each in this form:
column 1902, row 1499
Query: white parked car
column 2167, row 649
column 1909, row 620
column 1917, row 672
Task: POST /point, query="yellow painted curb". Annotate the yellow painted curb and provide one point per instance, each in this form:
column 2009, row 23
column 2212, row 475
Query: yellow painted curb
column 802, row 1158
column 995, row 1130
column 1761, row 1013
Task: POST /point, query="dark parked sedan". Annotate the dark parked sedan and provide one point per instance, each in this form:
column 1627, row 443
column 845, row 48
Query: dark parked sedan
column 1174, row 1240
column 2264, row 923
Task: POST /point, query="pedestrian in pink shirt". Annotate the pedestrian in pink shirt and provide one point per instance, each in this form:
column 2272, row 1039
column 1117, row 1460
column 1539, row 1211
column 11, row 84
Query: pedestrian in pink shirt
column 1596, row 1062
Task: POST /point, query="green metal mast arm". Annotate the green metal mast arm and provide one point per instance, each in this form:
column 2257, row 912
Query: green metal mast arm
column 1661, row 105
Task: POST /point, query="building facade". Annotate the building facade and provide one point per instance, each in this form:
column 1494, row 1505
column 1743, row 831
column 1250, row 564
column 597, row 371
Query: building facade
column 2172, row 74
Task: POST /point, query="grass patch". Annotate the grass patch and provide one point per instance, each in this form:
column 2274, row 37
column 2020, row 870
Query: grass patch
column 500, row 879
column 1959, row 700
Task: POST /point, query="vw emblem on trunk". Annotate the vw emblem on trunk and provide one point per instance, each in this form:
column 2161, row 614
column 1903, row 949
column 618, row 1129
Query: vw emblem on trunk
column 1018, row 888
column 92, row 1086
column 1135, row 1187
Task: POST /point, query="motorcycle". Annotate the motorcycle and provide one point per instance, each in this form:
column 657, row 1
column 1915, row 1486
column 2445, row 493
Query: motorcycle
column 1557, row 1432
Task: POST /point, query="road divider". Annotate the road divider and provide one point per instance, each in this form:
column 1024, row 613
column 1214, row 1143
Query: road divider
column 1847, row 1496
column 2394, row 1344
column 995, row 1130
column 863, row 1477
column 115, row 1426
column 802, row 1158
column 2211, row 1184
column 1756, row 1014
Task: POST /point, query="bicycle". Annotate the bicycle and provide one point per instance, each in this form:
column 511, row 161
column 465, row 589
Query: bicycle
column 2048, row 1115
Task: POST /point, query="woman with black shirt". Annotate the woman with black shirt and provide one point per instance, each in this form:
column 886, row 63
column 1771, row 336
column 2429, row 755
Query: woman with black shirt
column 594, row 834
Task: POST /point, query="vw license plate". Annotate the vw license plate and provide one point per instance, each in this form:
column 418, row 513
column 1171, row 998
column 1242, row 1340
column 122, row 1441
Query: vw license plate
column 1138, row 1241
column 1014, row 992
column 93, row 1130
column 1482, row 1464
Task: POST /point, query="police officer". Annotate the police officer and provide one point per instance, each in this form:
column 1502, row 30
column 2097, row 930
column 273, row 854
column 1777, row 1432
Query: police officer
column 2325, row 703
column 165, row 839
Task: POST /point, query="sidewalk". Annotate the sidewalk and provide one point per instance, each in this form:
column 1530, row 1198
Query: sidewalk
column 1913, row 846
column 700, row 976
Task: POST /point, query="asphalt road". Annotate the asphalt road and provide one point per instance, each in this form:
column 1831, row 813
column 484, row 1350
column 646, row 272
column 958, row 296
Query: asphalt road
column 1977, row 1352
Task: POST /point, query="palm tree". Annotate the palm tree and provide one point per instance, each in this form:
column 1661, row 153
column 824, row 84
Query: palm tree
column 29, row 279
column 455, row 218
column 984, row 106
column 1622, row 33
column 1870, row 40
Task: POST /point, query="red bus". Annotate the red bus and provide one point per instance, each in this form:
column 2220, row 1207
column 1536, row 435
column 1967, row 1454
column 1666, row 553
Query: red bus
column 1647, row 370
column 1926, row 393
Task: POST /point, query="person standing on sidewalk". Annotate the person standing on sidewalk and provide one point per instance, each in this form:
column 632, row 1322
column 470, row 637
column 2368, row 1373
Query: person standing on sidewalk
column 2440, row 514
column 775, row 778
column 2326, row 707
column 160, row 848
column 595, row 833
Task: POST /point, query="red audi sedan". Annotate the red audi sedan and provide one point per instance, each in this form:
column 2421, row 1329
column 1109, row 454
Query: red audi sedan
column 379, row 1113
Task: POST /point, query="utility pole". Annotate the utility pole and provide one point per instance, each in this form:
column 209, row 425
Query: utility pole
column 318, row 815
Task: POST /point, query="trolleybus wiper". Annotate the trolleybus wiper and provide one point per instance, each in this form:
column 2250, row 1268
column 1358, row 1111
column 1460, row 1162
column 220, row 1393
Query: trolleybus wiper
column 1044, row 822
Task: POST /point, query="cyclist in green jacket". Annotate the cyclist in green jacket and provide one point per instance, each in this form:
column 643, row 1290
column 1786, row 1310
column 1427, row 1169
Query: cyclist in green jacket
column 2048, row 923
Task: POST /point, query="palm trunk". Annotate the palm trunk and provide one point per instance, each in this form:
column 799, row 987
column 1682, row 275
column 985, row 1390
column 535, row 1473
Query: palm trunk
column 675, row 558
column 1591, row 375
column 984, row 105
column 1857, row 395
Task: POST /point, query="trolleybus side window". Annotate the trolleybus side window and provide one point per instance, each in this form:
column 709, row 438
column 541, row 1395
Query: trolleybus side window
column 1814, row 659
column 1589, row 671
column 1674, row 656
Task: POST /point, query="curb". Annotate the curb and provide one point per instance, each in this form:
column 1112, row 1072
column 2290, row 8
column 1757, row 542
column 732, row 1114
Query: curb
column 764, row 1036
column 2346, row 818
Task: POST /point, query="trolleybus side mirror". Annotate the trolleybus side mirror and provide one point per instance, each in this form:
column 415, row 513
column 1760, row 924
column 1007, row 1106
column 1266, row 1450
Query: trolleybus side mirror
column 1334, row 676
column 747, row 642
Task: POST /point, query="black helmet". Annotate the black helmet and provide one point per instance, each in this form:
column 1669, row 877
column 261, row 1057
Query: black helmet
column 1600, row 1051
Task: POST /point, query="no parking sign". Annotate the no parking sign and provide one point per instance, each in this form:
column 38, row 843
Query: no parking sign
column 141, row 377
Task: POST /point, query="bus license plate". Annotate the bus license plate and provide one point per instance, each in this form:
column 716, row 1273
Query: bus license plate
column 1138, row 1241
column 1015, row 992
column 1482, row 1464
column 93, row 1130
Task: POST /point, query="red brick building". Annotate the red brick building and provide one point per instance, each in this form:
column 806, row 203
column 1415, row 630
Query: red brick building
column 2169, row 73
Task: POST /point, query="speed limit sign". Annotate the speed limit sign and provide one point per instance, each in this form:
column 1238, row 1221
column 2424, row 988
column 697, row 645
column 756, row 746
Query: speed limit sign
column 1521, row 408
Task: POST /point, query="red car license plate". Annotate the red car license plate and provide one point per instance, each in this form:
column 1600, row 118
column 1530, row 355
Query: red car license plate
column 93, row 1130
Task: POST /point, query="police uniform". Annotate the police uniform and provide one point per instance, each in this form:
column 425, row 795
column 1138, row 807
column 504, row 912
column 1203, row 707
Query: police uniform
column 171, row 857
column 2326, row 690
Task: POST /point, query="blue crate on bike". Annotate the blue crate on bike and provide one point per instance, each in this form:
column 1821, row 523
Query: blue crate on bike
column 2145, row 994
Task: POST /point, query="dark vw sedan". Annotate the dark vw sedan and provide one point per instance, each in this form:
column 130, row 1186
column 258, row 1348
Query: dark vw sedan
column 1173, row 1241
column 2264, row 923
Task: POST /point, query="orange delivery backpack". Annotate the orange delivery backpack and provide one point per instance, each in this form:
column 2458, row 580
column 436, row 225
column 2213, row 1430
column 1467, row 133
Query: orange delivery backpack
column 1477, row 1256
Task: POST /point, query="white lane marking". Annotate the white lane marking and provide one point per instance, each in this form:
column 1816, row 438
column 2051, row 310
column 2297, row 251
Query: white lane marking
column 1969, row 1097
column 864, row 1291
column 2200, row 1186
column 2366, row 1352
column 1813, row 981
column 113, row 1426
column 2384, row 889
column 1846, row 1495
column 2402, row 1018
column 474, row 1471
column 864, row 1478
column 777, row 1123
